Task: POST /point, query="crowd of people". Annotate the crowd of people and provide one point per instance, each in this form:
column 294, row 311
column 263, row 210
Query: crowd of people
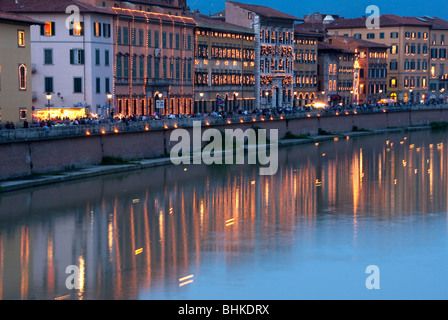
column 260, row 112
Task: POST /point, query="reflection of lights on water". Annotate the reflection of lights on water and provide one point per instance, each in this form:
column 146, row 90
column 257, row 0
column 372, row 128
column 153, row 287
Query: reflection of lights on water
column 411, row 146
column 252, row 182
column 404, row 163
column 138, row 251
column 324, row 154
column 318, row 183
column 395, row 181
column 415, row 171
column 135, row 200
column 230, row 222
column 336, row 139
column 186, row 280
column 418, row 149
column 316, row 144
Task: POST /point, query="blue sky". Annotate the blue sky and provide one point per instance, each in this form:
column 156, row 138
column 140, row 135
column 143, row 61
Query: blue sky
column 344, row 8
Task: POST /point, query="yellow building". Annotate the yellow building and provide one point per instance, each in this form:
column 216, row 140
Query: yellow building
column 305, row 64
column 408, row 60
column 15, row 68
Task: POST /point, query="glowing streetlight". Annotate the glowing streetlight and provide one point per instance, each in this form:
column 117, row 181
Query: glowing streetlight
column 48, row 96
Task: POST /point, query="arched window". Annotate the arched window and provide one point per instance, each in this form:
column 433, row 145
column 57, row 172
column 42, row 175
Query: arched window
column 22, row 77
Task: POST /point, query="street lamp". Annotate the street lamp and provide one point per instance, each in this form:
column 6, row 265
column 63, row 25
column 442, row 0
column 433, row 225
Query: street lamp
column 48, row 96
column 201, row 107
column 109, row 97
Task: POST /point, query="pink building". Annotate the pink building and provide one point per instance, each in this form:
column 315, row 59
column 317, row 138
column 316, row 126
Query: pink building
column 154, row 63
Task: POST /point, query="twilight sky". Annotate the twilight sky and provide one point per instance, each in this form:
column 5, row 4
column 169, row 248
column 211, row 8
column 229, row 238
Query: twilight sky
column 344, row 8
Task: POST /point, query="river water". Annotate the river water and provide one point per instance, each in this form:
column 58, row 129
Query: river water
column 225, row 232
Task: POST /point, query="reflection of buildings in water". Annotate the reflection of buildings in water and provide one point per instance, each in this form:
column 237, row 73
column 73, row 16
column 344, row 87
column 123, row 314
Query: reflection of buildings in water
column 150, row 237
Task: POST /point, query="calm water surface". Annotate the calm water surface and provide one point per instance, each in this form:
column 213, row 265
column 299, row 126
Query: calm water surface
column 225, row 232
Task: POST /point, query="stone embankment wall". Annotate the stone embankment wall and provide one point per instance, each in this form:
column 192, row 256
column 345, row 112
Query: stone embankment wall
column 27, row 151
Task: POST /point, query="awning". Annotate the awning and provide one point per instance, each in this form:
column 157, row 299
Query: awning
column 335, row 96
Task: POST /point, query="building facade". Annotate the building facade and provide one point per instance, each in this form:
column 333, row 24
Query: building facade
column 305, row 65
column 15, row 68
column 72, row 58
column 371, row 62
column 274, row 51
column 154, row 63
column 409, row 55
column 224, row 66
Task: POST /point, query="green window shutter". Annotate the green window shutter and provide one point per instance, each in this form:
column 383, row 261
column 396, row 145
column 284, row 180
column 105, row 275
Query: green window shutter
column 42, row 30
column 53, row 29
column 72, row 56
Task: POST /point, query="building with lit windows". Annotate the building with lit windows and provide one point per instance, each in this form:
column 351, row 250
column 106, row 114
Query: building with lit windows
column 438, row 60
column 72, row 57
column 336, row 73
column 274, row 51
column 306, row 66
column 408, row 39
column 224, row 65
column 369, row 83
column 15, row 68
column 154, row 62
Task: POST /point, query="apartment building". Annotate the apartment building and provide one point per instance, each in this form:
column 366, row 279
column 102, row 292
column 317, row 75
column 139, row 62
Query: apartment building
column 274, row 51
column 154, row 62
column 369, row 83
column 224, row 65
column 305, row 65
column 409, row 55
column 337, row 73
column 15, row 68
column 438, row 65
column 72, row 57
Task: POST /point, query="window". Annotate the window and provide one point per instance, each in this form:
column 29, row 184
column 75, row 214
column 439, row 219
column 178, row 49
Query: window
column 370, row 36
column 125, row 36
column 156, row 39
column 23, row 114
column 106, row 30
column 393, row 82
column 394, row 49
column 98, row 85
column 97, row 29
column 107, row 85
column 171, row 40
column 133, row 37
column 77, row 56
column 126, row 68
column 393, row 65
column 177, row 40
column 119, row 68
column 21, row 38
column 164, row 39
column 48, row 29
column 442, row 53
column 434, row 53
column 394, row 35
column 140, row 37
column 77, row 29
column 358, row 35
column 97, row 57
column 381, row 35
column 49, row 84
column 77, row 85
column 149, row 38
column 48, row 56
column 119, row 35
column 189, row 42
column 22, row 77
column 106, row 58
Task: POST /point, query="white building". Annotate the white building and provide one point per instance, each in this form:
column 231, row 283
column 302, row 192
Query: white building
column 75, row 63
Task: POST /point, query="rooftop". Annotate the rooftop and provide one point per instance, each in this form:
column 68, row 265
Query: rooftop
column 387, row 20
column 265, row 11
column 351, row 43
column 216, row 23
column 8, row 16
